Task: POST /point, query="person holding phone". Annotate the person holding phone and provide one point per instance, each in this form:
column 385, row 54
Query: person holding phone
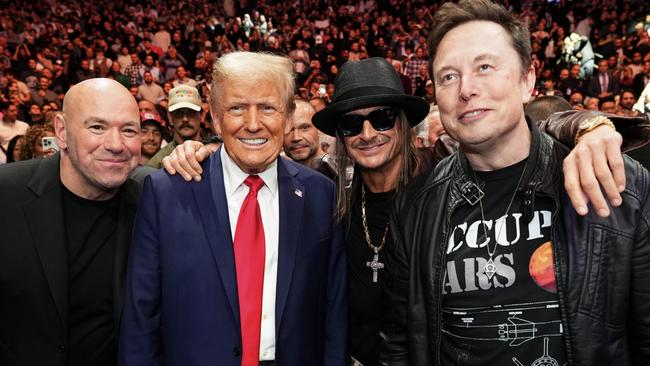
column 39, row 142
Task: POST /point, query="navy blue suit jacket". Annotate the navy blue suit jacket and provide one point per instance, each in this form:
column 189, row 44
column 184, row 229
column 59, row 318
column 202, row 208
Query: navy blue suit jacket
column 181, row 305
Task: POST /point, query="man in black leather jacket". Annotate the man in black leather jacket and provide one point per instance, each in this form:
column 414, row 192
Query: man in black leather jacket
column 490, row 262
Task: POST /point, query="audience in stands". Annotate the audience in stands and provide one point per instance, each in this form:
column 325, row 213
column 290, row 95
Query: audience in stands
column 151, row 47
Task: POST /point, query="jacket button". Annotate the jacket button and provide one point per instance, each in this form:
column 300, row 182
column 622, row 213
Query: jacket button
column 529, row 192
column 527, row 202
column 236, row 352
column 61, row 348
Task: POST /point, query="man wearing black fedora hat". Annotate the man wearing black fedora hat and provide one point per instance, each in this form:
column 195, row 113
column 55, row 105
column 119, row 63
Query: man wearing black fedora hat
column 372, row 116
column 385, row 160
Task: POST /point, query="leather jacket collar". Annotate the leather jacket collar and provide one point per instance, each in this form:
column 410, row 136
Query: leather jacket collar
column 541, row 176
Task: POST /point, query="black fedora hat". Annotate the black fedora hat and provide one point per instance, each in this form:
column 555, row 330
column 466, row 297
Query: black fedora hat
column 368, row 83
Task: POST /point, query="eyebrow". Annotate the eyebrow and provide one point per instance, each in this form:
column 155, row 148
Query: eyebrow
column 262, row 100
column 442, row 70
column 481, row 57
column 91, row 120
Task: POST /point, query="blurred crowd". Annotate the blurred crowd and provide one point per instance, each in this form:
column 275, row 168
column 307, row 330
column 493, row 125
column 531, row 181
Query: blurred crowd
column 151, row 47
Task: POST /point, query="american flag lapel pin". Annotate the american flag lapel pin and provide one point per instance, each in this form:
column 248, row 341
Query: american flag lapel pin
column 297, row 192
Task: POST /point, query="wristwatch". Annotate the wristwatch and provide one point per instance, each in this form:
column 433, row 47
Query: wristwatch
column 591, row 124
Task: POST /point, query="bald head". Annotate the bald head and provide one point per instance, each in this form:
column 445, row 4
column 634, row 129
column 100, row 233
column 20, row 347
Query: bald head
column 98, row 90
column 99, row 136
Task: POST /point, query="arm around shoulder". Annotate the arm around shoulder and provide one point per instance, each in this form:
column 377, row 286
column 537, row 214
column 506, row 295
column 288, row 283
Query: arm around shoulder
column 567, row 125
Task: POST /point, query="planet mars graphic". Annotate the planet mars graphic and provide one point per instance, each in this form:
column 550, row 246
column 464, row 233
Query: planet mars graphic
column 541, row 267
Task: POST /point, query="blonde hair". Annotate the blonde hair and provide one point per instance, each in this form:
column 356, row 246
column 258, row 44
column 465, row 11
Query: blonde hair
column 254, row 66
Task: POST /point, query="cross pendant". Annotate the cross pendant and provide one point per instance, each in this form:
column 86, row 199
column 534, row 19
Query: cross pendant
column 375, row 265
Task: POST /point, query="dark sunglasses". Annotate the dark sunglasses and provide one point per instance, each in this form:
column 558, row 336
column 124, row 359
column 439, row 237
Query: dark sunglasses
column 382, row 119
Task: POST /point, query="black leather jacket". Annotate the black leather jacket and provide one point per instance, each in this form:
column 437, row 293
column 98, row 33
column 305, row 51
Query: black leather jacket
column 602, row 265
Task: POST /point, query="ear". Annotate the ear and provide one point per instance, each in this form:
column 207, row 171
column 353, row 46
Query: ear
column 419, row 142
column 216, row 119
column 528, row 84
column 60, row 131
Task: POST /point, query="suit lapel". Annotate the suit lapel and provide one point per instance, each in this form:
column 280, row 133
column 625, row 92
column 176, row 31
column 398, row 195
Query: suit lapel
column 216, row 225
column 128, row 204
column 291, row 201
column 45, row 220
column 210, row 196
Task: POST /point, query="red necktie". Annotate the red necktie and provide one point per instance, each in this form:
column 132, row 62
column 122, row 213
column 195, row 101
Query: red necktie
column 249, row 247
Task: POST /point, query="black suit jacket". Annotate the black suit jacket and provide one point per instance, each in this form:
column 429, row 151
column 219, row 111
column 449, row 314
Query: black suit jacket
column 571, row 85
column 33, row 262
column 593, row 88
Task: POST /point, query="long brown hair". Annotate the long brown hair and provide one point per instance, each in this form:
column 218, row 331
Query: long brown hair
column 410, row 162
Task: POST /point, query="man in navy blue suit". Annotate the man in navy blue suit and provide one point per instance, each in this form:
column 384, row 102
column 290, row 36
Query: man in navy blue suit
column 603, row 84
column 247, row 266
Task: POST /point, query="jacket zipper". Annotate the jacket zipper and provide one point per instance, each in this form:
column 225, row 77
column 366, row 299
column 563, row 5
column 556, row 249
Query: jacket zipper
column 442, row 280
column 560, row 292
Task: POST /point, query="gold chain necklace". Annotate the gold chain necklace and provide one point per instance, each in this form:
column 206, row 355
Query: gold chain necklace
column 490, row 268
column 375, row 265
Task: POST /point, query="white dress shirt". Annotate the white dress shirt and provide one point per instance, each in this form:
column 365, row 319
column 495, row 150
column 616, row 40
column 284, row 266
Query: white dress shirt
column 604, row 82
column 267, row 197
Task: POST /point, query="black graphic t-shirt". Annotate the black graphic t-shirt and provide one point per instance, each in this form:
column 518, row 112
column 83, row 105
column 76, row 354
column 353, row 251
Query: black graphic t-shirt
column 512, row 318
